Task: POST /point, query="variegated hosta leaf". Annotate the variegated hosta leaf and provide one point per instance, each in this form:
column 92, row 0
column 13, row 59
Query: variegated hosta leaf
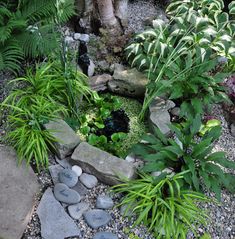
column 231, row 8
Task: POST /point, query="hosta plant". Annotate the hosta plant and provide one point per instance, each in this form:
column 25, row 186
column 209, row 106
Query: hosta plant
column 184, row 51
column 163, row 205
column 189, row 152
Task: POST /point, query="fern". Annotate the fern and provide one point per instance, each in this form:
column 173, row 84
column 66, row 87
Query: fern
column 30, row 27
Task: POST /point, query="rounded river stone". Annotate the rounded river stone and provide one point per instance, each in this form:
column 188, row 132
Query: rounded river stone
column 76, row 211
column 88, row 180
column 68, row 177
column 105, row 235
column 64, row 194
column 97, row 218
column 104, row 202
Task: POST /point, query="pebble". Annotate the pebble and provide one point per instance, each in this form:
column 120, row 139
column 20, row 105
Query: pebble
column 97, row 218
column 64, row 194
column 68, row 177
column 81, row 37
column 77, row 170
column 104, row 202
column 88, row 180
column 76, row 211
column 105, row 235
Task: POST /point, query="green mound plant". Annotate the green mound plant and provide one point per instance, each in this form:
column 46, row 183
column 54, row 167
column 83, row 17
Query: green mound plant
column 160, row 203
column 189, row 152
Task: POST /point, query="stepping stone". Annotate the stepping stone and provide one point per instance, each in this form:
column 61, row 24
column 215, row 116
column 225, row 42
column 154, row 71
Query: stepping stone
column 81, row 189
column 106, row 167
column 77, row 170
column 105, row 235
column 97, row 218
column 18, row 187
column 64, row 194
column 88, row 180
column 66, row 138
column 76, row 211
column 104, row 202
column 68, row 177
column 54, row 172
column 55, row 222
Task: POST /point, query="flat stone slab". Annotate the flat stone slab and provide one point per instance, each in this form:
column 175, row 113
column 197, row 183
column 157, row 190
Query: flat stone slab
column 80, row 188
column 54, row 172
column 106, row 167
column 18, row 186
column 66, row 195
column 97, row 218
column 105, row 235
column 66, row 138
column 55, row 222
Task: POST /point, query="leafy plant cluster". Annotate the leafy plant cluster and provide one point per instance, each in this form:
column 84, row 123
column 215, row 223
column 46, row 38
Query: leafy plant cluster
column 93, row 125
column 44, row 94
column 30, row 29
column 163, row 205
column 189, row 152
column 179, row 57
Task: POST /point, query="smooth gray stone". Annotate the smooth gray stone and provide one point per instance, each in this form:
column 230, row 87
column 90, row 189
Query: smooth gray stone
column 81, row 189
column 106, row 167
column 18, row 187
column 55, row 222
column 104, row 202
column 128, row 82
column 68, row 177
column 159, row 115
column 54, row 172
column 64, row 194
column 88, row 180
column 76, row 211
column 63, row 162
column 97, row 218
column 105, row 235
column 66, row 138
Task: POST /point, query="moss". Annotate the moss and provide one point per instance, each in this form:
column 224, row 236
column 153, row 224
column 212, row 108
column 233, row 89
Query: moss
column 132, row 108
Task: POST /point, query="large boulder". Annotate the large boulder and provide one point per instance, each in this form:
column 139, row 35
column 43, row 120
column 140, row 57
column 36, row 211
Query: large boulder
column 66, row 138
column 128, row 82
column 159, row 115
column 18, row 187
column 106, row 167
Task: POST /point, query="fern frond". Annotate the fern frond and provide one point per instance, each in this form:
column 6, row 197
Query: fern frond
column 11, row 56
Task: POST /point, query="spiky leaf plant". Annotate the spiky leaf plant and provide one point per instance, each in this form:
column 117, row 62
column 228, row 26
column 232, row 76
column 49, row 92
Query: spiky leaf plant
column 163, row 205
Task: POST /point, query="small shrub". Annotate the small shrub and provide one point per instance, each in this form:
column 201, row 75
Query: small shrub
column 162, row 205
column 189, row 152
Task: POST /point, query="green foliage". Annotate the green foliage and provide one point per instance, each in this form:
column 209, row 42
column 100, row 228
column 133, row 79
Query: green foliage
column 42, row 95
column 179, row 56
column 30, row 29
column 26, row 133
column 162, row 205
column 188, row 152
column 91, row 124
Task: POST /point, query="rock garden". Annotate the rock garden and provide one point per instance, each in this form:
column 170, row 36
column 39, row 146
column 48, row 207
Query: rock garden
column 117, row 119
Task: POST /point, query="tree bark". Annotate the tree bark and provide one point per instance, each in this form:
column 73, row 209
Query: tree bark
column 121, row 11
column 107, row 17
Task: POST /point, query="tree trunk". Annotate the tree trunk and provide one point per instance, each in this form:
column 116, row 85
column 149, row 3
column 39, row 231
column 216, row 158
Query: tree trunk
column 107, row 17
column 121, row 11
